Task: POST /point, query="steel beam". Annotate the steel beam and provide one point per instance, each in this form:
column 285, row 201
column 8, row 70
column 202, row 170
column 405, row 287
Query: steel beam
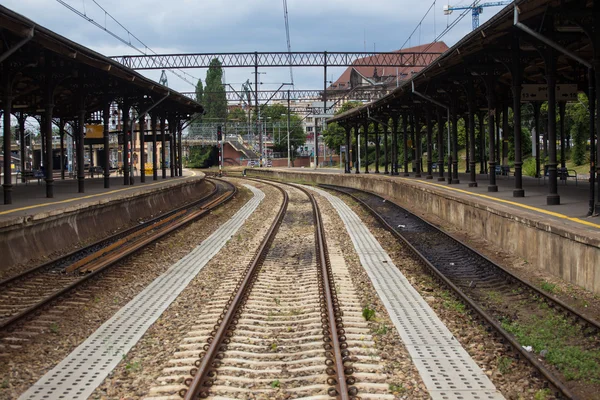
column 278, row 59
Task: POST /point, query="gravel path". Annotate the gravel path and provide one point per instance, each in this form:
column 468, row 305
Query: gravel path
column 63, row 326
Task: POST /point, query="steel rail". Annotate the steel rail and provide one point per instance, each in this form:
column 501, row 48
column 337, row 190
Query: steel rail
column 440, row 277
column 205, row 371
column 553, row 300
column 334, row 320
column 107, row 260
column 107, row 240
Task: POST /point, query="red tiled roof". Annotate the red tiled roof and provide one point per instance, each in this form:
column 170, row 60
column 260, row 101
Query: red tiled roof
column 438, row 47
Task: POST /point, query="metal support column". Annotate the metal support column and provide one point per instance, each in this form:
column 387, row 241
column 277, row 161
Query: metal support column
column 429, row 143
column 126, row 141
column 61, row 132
column 154, row 148
column 395, row 123
column 516, row 90
column 347, row 170
column 455, row 179
column 377, row 147
column 553, row 198
column 471, row 133
column 163, row 146
column 536, row 125
column 504, row 149
column 21, row 118
column 491, row 99
column 357, row 152
column 417, row 144
column 179, row 149
column 366, row 133
column 172, row 131
column 386, row 158
column 592, row 112
column 467, row 120
column 405, row 143
column 6, row 168
column 106, row 137
column 80, row 147
column 142, row 128
column 561, row 116
column 482, row 167
column 440, row 142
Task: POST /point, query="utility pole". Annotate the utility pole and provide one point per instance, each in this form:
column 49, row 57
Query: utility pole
column 288, row 129
column 260, row 139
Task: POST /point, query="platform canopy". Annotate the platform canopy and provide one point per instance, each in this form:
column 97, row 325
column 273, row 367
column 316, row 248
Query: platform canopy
column 489, row 52
column 35, row 60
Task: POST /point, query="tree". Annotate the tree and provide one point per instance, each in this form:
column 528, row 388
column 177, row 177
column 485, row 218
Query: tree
column 199, row 91
column 196, row 118
column 215, row 99
column 237, row 115
column 335, row 134
column 579, row 115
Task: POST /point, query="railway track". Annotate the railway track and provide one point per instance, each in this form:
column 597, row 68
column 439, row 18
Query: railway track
column 496, row 296
column 24, row 294
column 281, row 327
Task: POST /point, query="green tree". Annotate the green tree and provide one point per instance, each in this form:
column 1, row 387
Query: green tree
column 199, row 91
column 237, row 115
column 215, row 99
column 196, row 118
column 335, row 134
column 579, row 115
column 276, row 116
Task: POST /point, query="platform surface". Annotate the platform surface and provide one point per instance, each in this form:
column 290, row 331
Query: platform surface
column 30, row 201
column 571, row 212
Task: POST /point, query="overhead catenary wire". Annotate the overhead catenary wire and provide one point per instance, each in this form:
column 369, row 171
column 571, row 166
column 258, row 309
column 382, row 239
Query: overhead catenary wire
column 116, row 36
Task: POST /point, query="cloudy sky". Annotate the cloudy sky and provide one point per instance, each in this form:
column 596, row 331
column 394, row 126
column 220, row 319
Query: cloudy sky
column 186, row 26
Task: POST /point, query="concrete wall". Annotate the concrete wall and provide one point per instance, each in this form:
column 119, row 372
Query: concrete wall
column 567, row 252
column 40, row 236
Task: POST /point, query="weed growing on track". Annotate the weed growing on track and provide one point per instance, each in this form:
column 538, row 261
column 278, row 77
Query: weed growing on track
column 134, row 366
column 451, row 303
column 542, row 394
column 54, row 327
column 276, row 384
column 504, row 364
column 396, row 388
column 494, row 296
column 368, row 313
column 382, row 329
column 548, row 287
column 554, row 334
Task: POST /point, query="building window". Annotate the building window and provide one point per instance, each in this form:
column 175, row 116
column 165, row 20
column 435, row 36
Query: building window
column 309, row 129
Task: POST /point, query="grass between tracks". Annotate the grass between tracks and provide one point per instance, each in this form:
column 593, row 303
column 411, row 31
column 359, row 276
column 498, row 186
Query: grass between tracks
column 551, row 337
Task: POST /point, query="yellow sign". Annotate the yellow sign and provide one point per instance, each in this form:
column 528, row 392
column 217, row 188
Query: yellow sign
column 94, row 131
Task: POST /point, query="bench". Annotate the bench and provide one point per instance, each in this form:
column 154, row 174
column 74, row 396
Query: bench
column 562, row 173
column 29, row 175
column 503, row 170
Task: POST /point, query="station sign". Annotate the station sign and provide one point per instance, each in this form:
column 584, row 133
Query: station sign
column 564, row 92
column 94, row 131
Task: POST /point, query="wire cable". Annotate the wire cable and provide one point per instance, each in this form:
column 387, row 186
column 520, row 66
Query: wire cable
column 129, row 34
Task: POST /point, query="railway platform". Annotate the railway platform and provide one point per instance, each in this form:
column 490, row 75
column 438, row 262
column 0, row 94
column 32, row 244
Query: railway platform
column 34, row 225
column 559, row 239
column 30, row 202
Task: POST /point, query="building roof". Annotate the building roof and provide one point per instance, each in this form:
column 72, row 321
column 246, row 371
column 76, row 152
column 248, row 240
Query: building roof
column 369, row 72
